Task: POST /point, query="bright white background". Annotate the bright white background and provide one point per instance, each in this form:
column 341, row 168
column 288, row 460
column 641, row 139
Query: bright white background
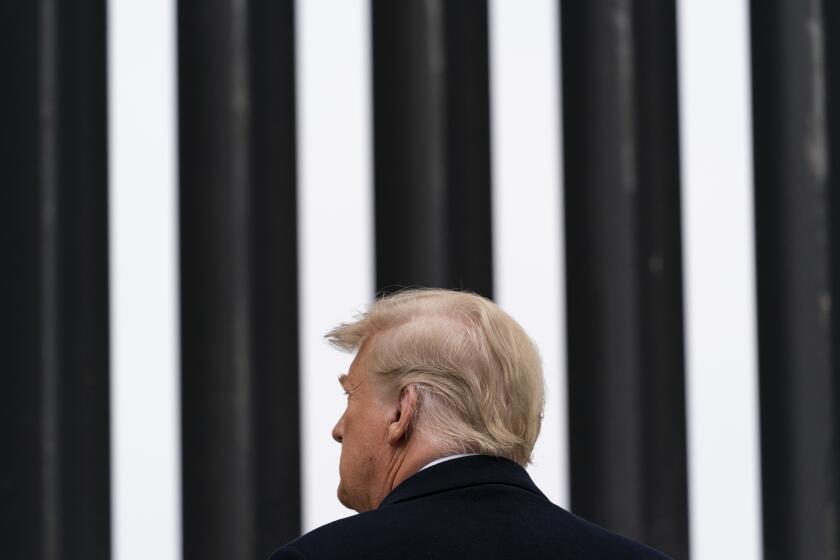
column 721, row 383
column 527, row 207
column 144, row 299
column 336, row 251
column 336, row 224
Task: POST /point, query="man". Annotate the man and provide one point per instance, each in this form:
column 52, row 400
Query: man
column 444, row 404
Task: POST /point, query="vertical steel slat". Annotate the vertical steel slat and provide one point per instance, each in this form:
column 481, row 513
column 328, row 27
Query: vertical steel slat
column 55, row 477
column 795, row 225
column 432, row 145
column 624, row 276
column 241, row 495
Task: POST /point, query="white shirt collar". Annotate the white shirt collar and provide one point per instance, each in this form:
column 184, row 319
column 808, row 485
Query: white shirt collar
column 442, row 459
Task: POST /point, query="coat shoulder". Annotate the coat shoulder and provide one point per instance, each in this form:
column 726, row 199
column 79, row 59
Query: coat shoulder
column 406, row 531
column 340, row 535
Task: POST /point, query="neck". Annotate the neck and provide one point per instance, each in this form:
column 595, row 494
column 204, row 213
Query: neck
column 406, row 462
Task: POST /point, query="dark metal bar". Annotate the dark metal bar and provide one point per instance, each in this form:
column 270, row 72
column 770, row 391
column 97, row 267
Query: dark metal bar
column 795, row 229
column 831, row 21
column 626, row 382
column 55, row 473
column 241, row 473
column 432, row 145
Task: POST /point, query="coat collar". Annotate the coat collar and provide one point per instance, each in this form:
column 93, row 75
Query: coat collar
column 459, row 473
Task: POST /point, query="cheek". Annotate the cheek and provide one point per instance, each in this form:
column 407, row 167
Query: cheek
column 358, row 440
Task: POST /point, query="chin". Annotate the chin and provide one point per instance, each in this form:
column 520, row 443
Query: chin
column 341, row 494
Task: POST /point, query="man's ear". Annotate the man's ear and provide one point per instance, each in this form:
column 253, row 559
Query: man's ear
column 404, row 415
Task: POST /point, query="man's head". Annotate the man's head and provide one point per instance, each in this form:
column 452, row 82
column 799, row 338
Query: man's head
column 437, row 372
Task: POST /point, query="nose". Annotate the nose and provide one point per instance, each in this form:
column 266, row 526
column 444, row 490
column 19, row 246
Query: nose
column 338, row 430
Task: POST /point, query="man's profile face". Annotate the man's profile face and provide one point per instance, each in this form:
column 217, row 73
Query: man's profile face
column 362, row 431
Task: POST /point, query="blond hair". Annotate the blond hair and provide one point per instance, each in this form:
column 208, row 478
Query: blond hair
column 477, row 374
